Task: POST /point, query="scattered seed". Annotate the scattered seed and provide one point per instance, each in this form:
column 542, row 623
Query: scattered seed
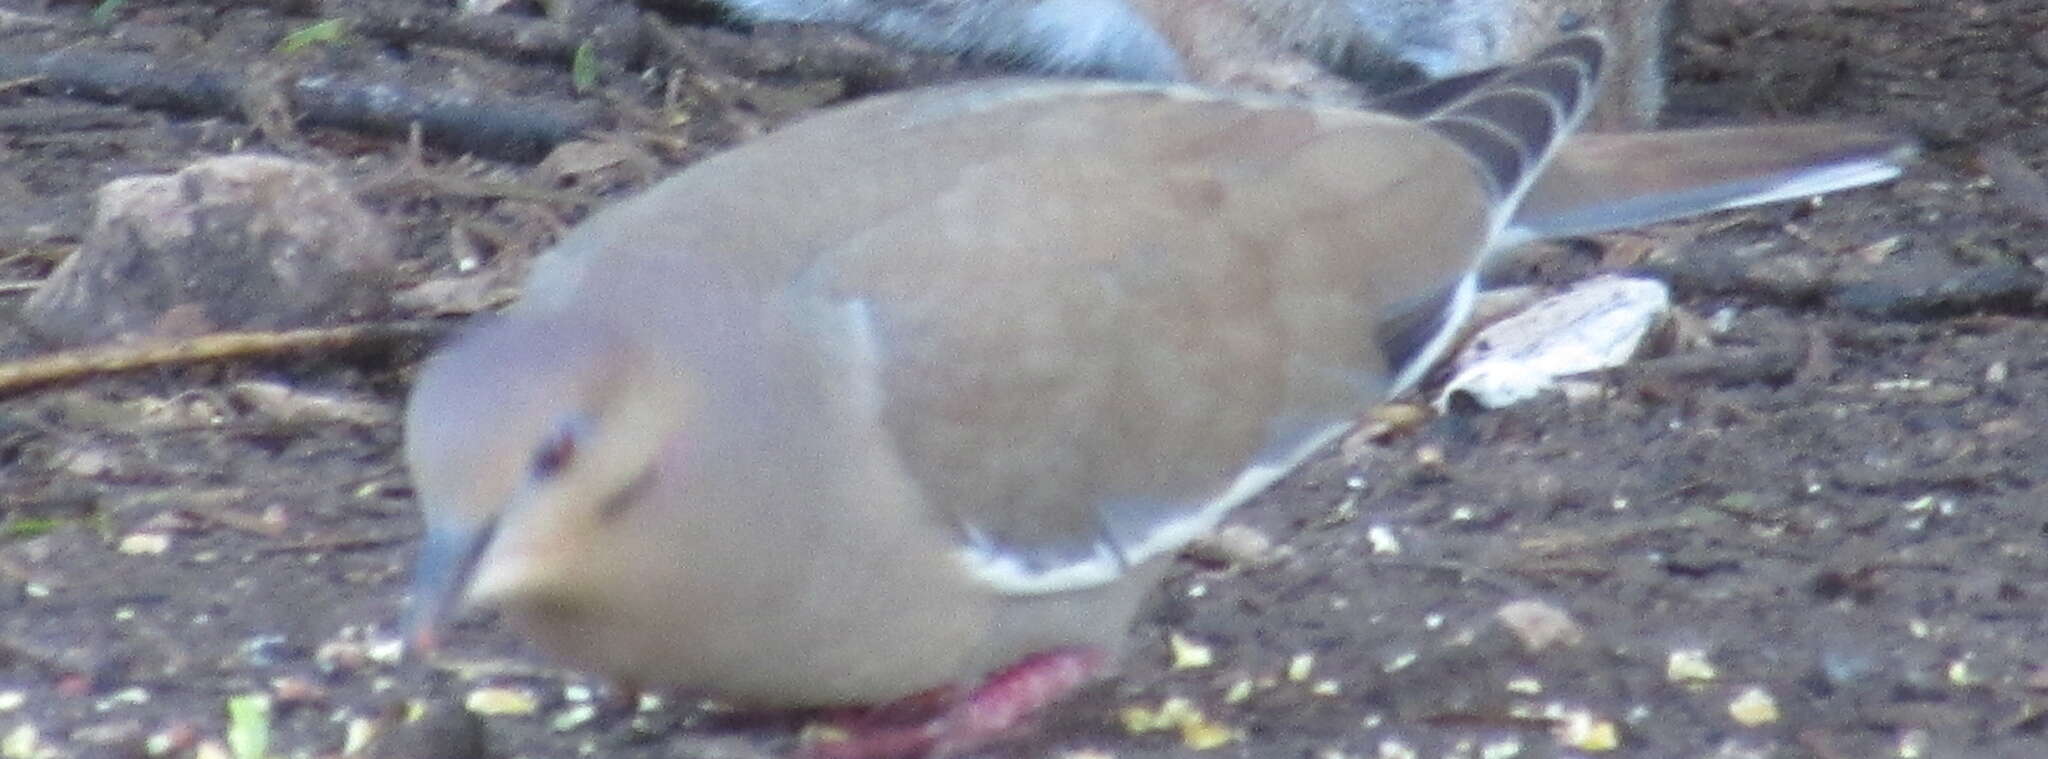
column 144, row 544
column 573, row 717
column 1585, row 731
column 248, row 731
column 1188, row 654
column 1689, row 665
column 21, row 743
column 1383, row 541
column 1299, row 667
column 361, row 732
column 1234, row 545
column 174, row 739
column 388, row 651
column 1913, row 743
column 1238, row 692
column 134, row 696
column 1961, row 675
column 501, row 702
column 1505, row 748
column 1753, row 707
column 1176, row 713
column 1401, row 661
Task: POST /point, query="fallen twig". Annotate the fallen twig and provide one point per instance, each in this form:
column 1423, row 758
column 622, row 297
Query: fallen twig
column 621, row 37
column 337, row 543
column 463, row 122
column 86, row 363
column 48, row 117
column 1725, row 367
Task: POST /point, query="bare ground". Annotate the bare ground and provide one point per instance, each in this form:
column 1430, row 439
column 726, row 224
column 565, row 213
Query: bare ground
column 1824, row 537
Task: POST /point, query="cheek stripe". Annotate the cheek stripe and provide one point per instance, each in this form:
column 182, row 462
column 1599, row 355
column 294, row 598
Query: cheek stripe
column 616, row 506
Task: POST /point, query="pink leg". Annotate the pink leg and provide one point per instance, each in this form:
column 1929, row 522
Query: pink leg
column 1003, row 701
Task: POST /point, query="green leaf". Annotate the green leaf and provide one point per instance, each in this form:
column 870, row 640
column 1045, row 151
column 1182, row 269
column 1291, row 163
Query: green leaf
column 28, row 527
column 317, row 33
column 249, row 726
column 583, row 67
column 104, row 12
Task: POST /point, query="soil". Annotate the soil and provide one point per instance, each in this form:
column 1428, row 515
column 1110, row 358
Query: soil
column 1826, row 538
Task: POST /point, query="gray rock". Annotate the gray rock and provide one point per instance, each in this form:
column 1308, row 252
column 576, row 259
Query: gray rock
column 236, row 242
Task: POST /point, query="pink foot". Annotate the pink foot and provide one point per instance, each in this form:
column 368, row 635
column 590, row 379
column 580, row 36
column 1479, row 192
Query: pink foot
column 953, row 724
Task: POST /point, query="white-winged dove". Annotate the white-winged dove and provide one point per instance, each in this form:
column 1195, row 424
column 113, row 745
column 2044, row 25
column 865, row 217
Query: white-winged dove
column 934, row 383
column 1310, row 47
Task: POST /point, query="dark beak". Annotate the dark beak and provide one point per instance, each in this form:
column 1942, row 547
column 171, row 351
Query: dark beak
column 448, row 556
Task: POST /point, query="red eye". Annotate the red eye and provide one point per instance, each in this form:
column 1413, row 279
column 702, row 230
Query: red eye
column 553, row 456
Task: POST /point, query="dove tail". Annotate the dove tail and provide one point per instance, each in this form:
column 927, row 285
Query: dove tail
column 1513, row 120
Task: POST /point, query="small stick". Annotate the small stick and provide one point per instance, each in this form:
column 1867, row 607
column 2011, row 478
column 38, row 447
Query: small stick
column 489, row 126
column 620, row 37
column 86, row 363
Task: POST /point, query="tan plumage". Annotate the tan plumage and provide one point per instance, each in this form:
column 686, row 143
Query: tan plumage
column 899, row 394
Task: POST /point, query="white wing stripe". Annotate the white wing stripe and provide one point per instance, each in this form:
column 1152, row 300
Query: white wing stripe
column 1011, row 575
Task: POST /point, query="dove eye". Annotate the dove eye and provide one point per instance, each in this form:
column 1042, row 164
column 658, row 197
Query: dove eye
column 554, row 455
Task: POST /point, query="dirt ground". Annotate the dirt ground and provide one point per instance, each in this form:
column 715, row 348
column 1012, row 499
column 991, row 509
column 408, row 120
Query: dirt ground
column 1821, row 534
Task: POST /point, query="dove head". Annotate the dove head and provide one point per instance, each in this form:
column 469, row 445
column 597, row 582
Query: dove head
column 526, row 439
